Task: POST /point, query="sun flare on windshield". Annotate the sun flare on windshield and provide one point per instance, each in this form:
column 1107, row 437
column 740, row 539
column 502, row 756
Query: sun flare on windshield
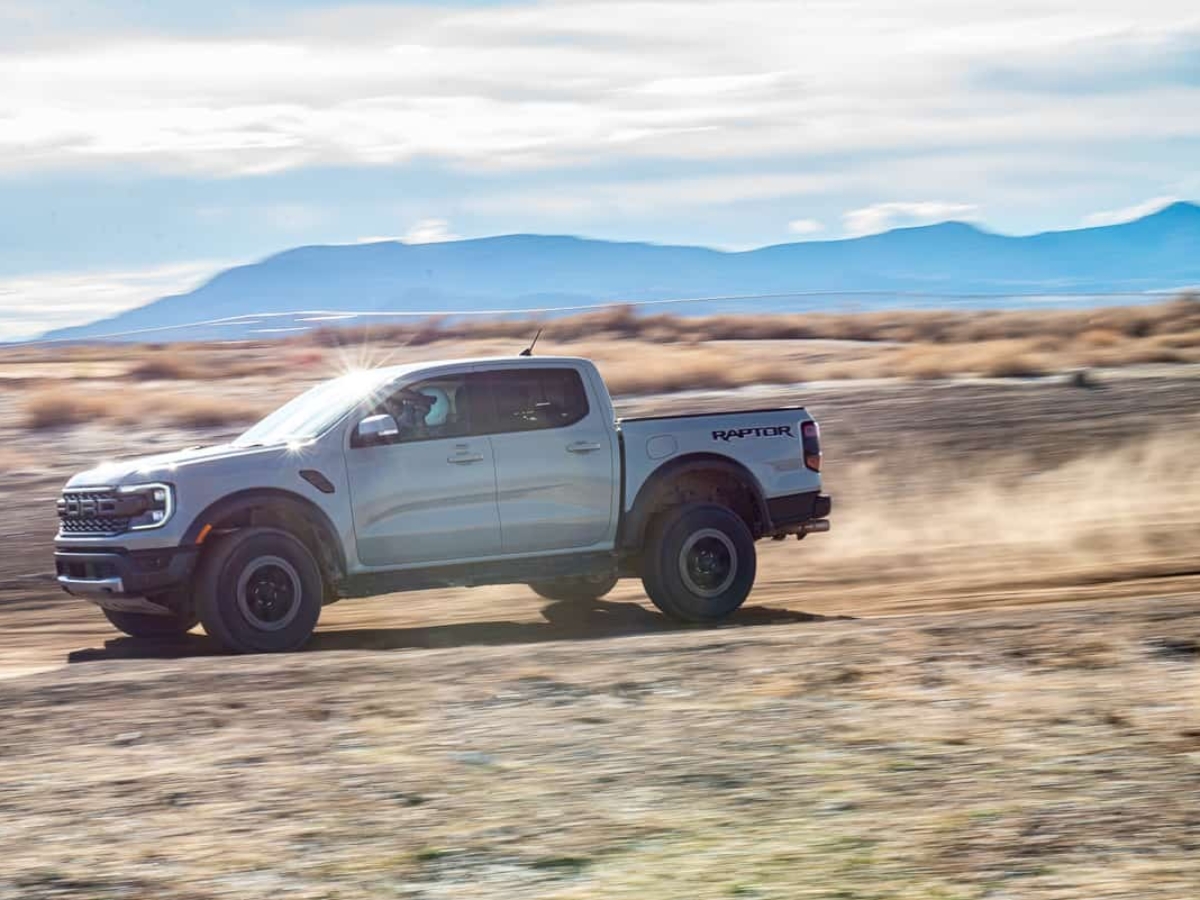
column 363, row 356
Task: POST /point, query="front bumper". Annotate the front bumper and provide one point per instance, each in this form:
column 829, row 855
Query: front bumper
column 108, row 573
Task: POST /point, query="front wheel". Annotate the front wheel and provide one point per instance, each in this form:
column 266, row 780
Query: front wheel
column 259, row 590
column 699, row 563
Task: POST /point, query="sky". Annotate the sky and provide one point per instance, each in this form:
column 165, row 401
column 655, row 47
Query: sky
column 146, row 144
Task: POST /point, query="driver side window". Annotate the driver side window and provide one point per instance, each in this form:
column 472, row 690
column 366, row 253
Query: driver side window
column 430, row 410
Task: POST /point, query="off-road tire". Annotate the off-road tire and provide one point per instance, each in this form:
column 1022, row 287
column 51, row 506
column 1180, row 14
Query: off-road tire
column 699, row 562
column 575, row 589
column 259, row 590
column 152, row 625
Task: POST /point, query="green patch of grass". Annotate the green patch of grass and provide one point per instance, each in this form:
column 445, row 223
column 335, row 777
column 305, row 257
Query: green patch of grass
column 565, row 865
column 430, row 854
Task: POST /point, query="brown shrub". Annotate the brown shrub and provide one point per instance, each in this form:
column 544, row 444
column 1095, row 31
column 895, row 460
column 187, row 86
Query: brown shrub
column 990, row 359
column 1015, row 365
column 1179, row 340
column 1101, row 337
column 1006, row 359
column 161, row 367
column 927, row 367
column 666, row 375
column 68, row 405
column 54, row 406
column 1146, row 353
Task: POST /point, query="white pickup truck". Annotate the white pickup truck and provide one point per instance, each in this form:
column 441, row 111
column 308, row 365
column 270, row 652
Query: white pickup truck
column 466, row 472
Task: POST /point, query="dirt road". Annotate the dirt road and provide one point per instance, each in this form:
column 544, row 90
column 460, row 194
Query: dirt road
column 1040, row 752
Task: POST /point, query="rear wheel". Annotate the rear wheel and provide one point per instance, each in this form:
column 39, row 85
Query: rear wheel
column 151, row 625
column 578, row 588
column 699, row 563
column 259, row 590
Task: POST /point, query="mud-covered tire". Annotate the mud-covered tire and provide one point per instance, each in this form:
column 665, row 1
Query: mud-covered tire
column 151, row 625
column 699, row 563
column 259, row 590
column 575, row 589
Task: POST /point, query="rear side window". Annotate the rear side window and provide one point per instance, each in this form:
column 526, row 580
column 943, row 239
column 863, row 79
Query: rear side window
column 534, row 399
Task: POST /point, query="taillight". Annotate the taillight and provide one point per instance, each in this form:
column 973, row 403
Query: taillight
column 810, row 440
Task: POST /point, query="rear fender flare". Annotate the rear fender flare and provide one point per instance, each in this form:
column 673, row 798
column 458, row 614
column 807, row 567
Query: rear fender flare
column 635, row 523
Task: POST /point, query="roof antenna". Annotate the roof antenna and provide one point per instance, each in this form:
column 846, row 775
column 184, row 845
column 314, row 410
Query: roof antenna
column 528, row 351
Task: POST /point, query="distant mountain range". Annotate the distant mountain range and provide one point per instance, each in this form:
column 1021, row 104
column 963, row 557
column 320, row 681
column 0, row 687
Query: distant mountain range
column 1158, row 252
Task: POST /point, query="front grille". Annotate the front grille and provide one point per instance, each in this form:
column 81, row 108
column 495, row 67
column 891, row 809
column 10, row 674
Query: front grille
column 94, row 526
column 90, row 512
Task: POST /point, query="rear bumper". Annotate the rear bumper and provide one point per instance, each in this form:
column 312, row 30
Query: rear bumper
column 98, row 573
column 793, row 510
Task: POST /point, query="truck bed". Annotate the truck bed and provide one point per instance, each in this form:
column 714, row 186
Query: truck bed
column 767, row 442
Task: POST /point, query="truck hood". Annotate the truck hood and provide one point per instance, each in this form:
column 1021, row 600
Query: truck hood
column 163, row 466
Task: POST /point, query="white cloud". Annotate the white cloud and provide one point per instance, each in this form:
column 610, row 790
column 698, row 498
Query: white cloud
column 882, row 216
column 570, row 84
column 32, row 304
column 805, row 226
column 1127, row 213
column 429, row 231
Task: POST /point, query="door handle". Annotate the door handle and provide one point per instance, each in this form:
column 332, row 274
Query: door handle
column 583, row 447
column 461, row 458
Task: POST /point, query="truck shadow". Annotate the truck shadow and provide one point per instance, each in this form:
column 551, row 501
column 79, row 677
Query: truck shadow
column 572, row 621
column 564, row 621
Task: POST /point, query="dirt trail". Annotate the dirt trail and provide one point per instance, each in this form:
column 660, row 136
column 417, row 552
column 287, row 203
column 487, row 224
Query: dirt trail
column 1001, row 753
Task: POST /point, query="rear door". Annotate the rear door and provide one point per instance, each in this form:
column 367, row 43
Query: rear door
column 428, row 495
column 555, row 454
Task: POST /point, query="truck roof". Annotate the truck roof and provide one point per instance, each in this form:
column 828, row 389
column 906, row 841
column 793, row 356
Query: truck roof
column 386, row 373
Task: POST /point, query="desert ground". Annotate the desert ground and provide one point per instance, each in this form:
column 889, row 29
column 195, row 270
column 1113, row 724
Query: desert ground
column 983, row 683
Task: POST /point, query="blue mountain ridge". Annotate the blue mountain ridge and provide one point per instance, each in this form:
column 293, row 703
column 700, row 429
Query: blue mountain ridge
column 1158, row 252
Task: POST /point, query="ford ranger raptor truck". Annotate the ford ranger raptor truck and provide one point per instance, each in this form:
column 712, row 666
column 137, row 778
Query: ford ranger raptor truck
column 469, row 472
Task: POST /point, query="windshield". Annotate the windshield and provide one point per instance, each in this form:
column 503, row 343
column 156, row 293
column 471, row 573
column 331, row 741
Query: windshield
column 314, row 411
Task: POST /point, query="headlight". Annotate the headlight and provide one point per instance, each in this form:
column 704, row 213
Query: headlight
column 152, row 504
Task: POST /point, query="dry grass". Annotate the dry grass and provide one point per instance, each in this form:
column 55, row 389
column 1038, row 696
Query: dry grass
column 55, row 407
column 1092, row 326
column 163, row 367
column 1007, row 358
column 666, row 353
column 637, row 355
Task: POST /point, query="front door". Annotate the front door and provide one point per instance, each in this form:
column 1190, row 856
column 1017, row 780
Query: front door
column 554, row 459
column 429, row 493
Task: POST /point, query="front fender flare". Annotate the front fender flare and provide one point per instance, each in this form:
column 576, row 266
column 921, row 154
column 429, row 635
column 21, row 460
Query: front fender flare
column 257, row 498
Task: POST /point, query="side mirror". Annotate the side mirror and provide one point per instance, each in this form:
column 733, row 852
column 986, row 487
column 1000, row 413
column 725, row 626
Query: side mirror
column 377, row 430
